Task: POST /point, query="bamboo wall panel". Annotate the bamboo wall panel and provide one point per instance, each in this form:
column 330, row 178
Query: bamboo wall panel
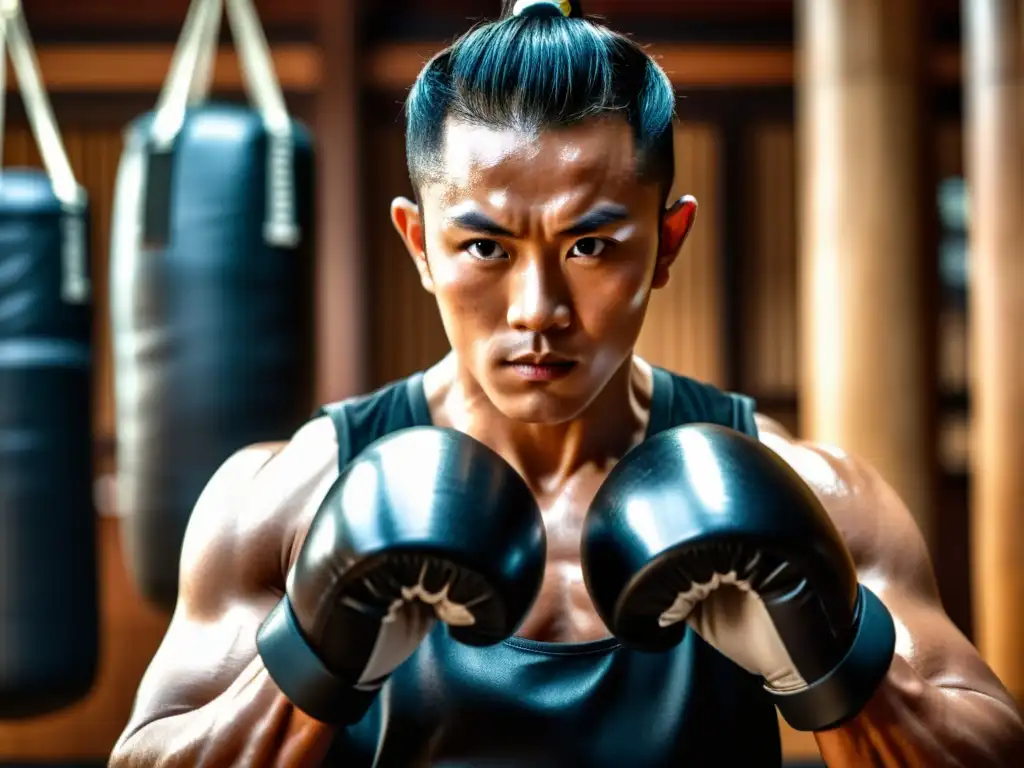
column 683, row 331
column 407, row 334
column 769, row 303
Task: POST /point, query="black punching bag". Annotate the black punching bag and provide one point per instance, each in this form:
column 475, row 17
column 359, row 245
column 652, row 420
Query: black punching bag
column 211, row 297
column 49, row 633
column 48, row 582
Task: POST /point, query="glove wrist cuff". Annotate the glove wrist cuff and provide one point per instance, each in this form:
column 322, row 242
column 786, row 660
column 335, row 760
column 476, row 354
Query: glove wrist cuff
column 841, row 694
column 301, row 675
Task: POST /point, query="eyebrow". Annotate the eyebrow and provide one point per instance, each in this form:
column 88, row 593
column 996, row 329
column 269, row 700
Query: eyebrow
column 475, row 221
column 598, row 217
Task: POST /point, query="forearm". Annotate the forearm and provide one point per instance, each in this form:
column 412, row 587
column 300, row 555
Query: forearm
column 250, row 724
column 910, row 722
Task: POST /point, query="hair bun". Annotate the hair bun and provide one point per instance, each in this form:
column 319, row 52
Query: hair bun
column 542, row 8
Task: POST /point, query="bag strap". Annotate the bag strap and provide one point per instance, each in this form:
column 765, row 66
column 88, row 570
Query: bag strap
column 189, row 82
column 75, row 286
column 281, row 224
column 257, row 65
column 194, row 53
column 209, row 43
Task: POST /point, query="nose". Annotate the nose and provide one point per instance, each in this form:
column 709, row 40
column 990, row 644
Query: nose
column 538, row 301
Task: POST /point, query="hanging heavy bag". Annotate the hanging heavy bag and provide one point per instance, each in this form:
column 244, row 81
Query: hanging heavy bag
column 211, row 292
column 49, row 633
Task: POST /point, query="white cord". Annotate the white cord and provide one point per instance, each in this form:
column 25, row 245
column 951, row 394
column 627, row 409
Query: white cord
column 188, row 56
column 75, row 285
column 280, row 227
column 40, row 113
column 189, row 82
column 209, row 43
column 257, row 66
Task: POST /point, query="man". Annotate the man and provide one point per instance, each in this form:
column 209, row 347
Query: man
column 540, row 148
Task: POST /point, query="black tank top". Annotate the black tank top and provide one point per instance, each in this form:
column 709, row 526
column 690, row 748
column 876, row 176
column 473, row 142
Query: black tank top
column 537, row 704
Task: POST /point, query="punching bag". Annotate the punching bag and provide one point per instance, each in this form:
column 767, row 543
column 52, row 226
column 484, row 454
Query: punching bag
column 211, row 293
column 48, row 578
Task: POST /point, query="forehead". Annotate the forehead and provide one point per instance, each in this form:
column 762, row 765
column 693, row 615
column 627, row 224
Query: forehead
column 593, row 158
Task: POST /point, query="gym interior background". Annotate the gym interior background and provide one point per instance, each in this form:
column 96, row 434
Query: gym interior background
column 831, row 285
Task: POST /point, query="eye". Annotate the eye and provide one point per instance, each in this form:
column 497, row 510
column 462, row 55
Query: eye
column 589, row 247
column 488, row 250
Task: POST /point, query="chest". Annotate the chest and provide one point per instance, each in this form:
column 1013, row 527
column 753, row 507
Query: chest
column 520, row 704
column 563, row 611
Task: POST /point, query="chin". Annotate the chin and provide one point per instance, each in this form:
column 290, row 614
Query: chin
column 542, row 405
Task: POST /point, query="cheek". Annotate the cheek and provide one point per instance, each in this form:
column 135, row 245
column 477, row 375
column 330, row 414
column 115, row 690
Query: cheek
column 613, row 303
column 469, row 304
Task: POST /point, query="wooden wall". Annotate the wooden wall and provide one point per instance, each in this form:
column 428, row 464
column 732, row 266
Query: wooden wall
column 404, row 321
column 769, row 305
column 684, row 330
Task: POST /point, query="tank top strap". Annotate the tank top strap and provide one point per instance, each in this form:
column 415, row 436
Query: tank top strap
column 675, row 400
column 360, row 421
column 678, row 400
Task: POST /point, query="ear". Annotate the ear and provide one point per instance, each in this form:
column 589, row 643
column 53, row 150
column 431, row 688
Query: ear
column 676, row 223
column 408, row 221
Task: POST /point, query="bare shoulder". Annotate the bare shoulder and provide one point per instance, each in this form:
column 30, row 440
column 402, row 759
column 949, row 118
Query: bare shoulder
column 878, row 528
column 892, row 559
column 245, row 523
column 233, row 568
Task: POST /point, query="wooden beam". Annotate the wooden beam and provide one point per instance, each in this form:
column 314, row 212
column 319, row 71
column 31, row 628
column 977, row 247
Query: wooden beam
column 142, row 68
column 104, row 16
column 394, row 66
column 85, row 17
column 342, row 336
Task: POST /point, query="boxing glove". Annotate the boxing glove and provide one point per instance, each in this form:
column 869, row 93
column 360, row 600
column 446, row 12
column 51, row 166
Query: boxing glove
column 425, row 525
column 704, row 527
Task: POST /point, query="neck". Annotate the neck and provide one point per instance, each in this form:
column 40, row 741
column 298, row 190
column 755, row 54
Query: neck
column 547, row 455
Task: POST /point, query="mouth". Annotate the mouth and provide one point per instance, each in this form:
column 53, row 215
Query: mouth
column 541, row 368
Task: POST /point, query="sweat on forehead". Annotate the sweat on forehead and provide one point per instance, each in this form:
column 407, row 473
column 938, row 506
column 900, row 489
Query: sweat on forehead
column 595, row 154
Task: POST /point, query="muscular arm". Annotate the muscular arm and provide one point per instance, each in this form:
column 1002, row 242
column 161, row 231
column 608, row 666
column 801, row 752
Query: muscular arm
column 940, row 704
column 206, row 699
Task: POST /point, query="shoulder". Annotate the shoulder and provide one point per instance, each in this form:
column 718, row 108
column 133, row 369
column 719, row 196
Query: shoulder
column 252, row 511
column 876, row 525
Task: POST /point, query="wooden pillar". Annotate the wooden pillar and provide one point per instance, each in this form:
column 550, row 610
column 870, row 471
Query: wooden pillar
column 866, row 341
column 341, row 335
column 994, row 100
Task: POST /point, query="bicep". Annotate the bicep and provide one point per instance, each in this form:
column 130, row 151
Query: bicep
column 895, row 564
column 223, row 597
column 893, row 561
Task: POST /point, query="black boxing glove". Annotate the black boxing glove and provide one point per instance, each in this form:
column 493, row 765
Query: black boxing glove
column 426, row 524
column 704, row 527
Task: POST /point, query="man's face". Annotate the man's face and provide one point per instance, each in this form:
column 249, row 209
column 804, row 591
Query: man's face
column 541, row 252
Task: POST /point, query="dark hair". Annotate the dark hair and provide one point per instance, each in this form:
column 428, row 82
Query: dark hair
column 541, row 70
